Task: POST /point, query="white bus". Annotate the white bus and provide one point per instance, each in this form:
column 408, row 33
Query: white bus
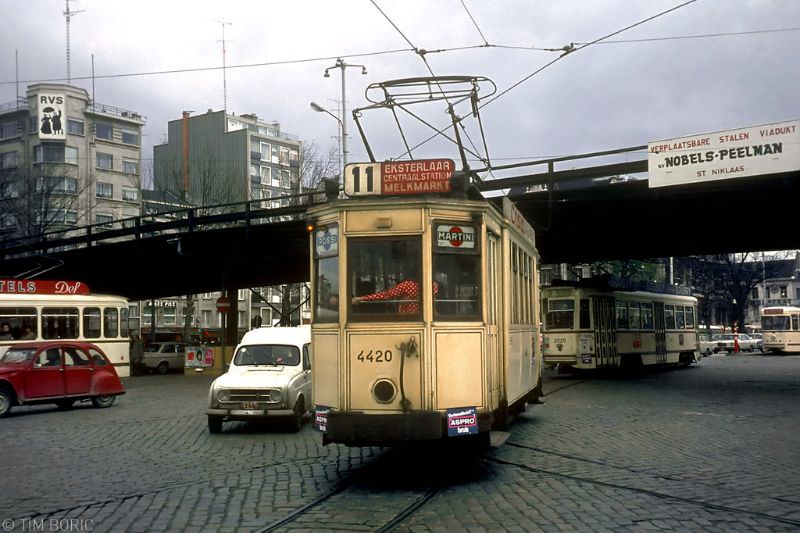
column 589, row 326
column 40, row 310
column 780, row 327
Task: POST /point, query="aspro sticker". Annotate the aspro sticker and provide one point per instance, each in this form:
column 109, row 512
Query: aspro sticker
column 462, row 421
column 321, row 418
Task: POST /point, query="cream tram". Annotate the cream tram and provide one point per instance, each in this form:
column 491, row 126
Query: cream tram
column 425, row 311
column 780, row 327
column 589, row 325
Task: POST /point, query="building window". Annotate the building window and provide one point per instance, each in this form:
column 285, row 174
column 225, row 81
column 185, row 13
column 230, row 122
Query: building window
column 103, row 131
column 130, row 166
column 75, row 127
column 266, row 151
column 9, row 160
column 8, row 222
column 104, row 190
column 784, row 292
column 102, row 219
column 8, row 129
column 9, row 189
column 130, row 137
column 55, row 153
column 276, row 151
column 130, row 195
column 285, row 180
column 105, row 161
column 57, row 184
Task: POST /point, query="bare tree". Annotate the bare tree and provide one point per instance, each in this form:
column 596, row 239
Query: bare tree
column 315, row 165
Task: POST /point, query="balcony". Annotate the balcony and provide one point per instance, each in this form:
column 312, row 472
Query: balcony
column 255, row 156
column 118, row 112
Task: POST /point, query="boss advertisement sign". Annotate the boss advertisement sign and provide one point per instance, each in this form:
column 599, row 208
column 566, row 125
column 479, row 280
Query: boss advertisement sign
column 52, row 116
column 728, row 154
column 455, row 236
column 326, row 241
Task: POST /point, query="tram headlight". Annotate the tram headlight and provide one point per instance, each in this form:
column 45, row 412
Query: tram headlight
column 384, row 391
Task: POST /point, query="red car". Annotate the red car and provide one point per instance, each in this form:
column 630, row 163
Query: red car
column 59, row 372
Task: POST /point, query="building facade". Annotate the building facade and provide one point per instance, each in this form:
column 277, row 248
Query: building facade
column 67, row 161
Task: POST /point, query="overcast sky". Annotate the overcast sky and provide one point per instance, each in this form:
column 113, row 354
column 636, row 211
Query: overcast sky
column 654, row 85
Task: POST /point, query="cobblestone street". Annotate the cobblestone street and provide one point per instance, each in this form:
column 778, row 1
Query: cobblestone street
column 714, row 447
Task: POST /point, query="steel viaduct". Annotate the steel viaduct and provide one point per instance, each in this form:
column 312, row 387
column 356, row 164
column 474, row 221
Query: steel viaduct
column 206, row 250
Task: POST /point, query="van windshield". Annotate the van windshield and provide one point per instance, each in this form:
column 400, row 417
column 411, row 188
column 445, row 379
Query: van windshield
column 267, row 354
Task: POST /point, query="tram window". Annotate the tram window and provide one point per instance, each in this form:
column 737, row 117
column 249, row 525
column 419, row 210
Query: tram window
column 457, row 294
column 680, row 317
column 91, row 322
column 635, row 315
column 384, row 279
column 795, row 323
column 622, row 315
column 690, row 318
column 647, row 316
column 669, row 316
column 327, row 297
column 560, row 314
column 123, row 321
column 110, row 322
column 584, row 316
column 60, row 322
column 21, row 322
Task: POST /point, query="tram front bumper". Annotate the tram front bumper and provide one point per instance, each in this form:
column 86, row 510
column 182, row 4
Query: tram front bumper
column 359, row 429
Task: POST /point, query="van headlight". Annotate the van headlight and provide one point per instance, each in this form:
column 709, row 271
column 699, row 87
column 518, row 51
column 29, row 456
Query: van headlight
column 224, row 396
column 274, row 396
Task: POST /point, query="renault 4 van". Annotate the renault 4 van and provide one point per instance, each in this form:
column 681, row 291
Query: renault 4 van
column 269, row 376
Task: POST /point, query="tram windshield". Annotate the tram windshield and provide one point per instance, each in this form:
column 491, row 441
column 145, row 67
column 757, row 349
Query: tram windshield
column 560, row 314
column 775, row 323
column 384, row 279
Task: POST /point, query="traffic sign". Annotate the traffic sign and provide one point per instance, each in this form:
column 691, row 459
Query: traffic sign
column 223, row 304
column 391, row 178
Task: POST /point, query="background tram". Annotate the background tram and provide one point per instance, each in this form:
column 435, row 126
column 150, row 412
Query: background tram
column 453, row 357
column 780, row 327
column 588, row 326
column 40, row 310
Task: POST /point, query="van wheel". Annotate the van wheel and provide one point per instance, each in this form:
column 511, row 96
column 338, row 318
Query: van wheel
column 214, row 424
column 163, row 367
column 299, row 413
column 103, row 401
column 6, row 402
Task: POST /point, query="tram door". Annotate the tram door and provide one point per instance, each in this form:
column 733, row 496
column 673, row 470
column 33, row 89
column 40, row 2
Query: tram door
column 605, row 331
column 493, row 291
column 660, row 330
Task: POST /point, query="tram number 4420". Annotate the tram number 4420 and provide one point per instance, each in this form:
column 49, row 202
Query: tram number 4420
column 375, row 356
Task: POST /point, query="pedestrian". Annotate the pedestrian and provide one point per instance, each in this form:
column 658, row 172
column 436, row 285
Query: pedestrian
column 137, row 354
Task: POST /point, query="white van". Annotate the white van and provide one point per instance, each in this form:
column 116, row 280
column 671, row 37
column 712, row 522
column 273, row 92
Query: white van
column 269, row 376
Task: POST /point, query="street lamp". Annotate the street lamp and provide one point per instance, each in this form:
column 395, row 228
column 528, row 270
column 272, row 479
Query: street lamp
column 318, row 108
column 340, row 64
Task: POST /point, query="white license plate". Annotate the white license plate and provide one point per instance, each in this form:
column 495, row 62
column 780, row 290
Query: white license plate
column 249, row 405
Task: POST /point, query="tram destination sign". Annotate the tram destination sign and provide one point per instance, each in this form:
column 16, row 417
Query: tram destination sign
column 740, row 153
column 391, row 178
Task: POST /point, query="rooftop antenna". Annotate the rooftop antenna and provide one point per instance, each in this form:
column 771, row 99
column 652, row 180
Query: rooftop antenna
column 224, row 67
column 68, row 14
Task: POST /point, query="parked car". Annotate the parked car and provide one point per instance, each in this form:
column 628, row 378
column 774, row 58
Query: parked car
column 269, row 376
column 164, row 356
column 725, row 342
column 59, row 372
column 705, row 345
column 759, row 340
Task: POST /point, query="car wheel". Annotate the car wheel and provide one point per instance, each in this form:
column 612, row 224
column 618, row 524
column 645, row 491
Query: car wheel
column 65, row 404
column 163, row 367
column 214, row 424
column 6, row 402
column 299, row 413
column 103, row 401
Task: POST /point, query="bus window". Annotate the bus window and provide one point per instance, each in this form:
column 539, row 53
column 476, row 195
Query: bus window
column 669, row 316
column 622, row 315
column 91, row 323
column 21, row 322
column 60, row 322
column 647, row 316
column 560, row 315
column 110, row 322
column 123, row 321
column 584, row 317
column 635, row 315
column 384, row 279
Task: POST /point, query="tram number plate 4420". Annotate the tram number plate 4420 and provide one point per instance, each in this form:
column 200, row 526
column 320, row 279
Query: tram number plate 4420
column 375, row 356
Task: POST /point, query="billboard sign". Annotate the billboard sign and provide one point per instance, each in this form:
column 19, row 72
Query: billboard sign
column 38, row 286
column 52, row 116
column 740, row 153
column 392, row 178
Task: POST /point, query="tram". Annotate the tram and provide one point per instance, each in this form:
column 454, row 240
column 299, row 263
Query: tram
column 40, row 310
column 589, row 325
column 780, row 327
column 424, row 311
